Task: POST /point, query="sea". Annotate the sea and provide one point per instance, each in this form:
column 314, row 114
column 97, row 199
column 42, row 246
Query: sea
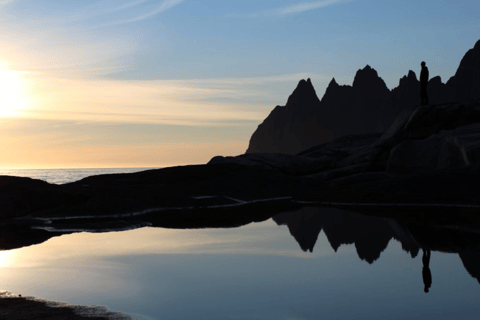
column 313, row 263
column 61, row 176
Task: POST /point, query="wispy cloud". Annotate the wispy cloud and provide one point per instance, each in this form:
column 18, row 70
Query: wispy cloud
column 110, row 12
column 58, row 42
column 167, row 4
column 64, row 53
column 129, row 5
column 292, row 9
column 305, row 6
column 192, row 102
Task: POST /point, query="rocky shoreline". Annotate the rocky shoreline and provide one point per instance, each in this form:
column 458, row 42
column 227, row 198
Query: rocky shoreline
column 428, row 156
column 15, row 307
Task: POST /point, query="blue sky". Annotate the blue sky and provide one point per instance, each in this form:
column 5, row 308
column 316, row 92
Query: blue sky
column 205, row 72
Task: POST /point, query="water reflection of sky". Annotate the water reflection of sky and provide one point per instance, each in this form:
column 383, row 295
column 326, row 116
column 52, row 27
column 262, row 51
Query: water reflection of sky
column 253, row 272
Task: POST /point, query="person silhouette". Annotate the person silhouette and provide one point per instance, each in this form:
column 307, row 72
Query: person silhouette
column 423, row 84
column 426, row 273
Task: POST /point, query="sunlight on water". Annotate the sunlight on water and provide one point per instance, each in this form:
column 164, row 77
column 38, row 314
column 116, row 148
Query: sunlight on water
column 255, row 239
column 88, row 268
column 61, row 176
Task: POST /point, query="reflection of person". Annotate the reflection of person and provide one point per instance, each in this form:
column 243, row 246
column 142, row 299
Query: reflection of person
column 423, row 84
column 426, row 273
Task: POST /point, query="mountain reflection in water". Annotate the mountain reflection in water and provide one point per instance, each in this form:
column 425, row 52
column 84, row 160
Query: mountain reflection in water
column 257, row 270
column 371, row 236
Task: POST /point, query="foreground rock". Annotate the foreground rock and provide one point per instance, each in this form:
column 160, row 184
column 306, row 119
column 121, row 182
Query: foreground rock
column 189, row 196
column 429, row 156
column 16, row 307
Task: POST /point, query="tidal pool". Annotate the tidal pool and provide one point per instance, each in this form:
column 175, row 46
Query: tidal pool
column 315, row 263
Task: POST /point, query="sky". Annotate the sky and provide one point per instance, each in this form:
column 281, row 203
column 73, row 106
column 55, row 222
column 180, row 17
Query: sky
column 155, row 83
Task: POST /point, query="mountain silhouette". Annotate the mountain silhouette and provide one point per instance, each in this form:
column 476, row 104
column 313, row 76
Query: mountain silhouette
column 293, row 127
column 367, row 106
column 370, row 235
column 465, row 84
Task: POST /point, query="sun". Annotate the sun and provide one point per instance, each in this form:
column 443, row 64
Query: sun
column 11, row 96
column 5, row 258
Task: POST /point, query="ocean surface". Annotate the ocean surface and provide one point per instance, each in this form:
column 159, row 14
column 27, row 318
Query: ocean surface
column 314, row 263
column 61, row 176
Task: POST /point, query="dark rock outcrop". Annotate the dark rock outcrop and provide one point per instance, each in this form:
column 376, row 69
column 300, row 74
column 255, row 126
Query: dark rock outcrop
column 297, row 116
column 422, row 139
column 465, row 84
column 16, row 307
column 367, row 106
column 430, row 154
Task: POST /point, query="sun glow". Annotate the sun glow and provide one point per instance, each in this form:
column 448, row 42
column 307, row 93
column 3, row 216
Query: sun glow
column 11, row 92
column 5, row 258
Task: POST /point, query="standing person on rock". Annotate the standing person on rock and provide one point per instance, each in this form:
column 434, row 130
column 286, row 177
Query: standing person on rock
column 423, row 84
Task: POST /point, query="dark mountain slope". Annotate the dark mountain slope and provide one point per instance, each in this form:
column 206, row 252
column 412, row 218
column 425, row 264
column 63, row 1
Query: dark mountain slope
column 367, row 106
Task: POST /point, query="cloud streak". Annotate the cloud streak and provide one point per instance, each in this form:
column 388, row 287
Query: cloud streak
column 192, row 102
column 293, row 9
column 129, row 5
column 167, row 4
column 306, row 6
column 113, row 13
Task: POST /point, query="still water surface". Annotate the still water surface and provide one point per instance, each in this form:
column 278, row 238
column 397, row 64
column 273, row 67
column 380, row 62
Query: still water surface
column 315, row 263
column 252, row 272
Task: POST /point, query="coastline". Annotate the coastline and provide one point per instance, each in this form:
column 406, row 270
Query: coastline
column 17, row 307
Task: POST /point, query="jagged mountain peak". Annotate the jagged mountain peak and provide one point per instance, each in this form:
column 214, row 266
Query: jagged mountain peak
column 367, row 70
column 465, row 84
column 409, row 80
column 333, row 83
column 470, row 60
column 305, row 85
column 368, row 79
column 411, row 75
column 332, row 87
column 367, row 106
column 304, row 94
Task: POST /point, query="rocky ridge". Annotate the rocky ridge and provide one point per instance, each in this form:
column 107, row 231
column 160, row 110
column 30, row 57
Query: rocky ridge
column 367, row 106
column 439, row 142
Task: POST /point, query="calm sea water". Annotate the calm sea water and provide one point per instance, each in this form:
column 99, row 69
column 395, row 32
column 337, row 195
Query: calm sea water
column 316, row 263
column 60, row 176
